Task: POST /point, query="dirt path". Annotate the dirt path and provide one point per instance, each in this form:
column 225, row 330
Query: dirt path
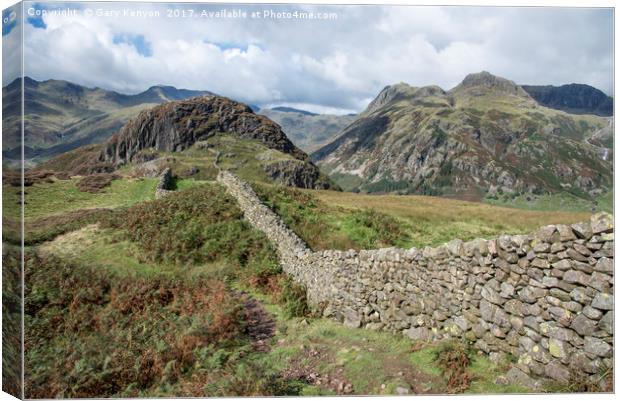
column 261, row 326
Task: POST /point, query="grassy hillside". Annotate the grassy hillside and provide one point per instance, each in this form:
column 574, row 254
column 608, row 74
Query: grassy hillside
column 130, row 296
column 344, row 220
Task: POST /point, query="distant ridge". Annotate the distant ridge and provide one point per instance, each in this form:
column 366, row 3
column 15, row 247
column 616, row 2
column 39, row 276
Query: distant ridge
column 293, row 110
column 573, row 98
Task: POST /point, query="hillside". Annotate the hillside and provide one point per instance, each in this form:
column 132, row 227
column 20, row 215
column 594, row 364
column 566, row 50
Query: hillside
column 485, row 138
column 61, row 116
column 572, row 98
column 308, row 130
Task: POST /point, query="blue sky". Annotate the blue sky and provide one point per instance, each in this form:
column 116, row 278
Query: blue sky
column 323, row 65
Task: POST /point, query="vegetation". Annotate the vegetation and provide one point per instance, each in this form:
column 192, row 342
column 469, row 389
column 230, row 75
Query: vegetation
column 130, row 296
column 45, row 199
column 96, row 182
column 340, row 220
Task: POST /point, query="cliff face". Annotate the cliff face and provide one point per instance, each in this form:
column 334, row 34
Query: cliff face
column 175, row 126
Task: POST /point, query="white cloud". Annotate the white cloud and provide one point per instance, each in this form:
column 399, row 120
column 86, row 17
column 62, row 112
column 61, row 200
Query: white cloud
column 333, row 65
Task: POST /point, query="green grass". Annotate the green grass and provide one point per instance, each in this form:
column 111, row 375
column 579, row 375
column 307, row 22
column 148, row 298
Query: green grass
column 344, row 220
column 561, row 201
column 46, row 199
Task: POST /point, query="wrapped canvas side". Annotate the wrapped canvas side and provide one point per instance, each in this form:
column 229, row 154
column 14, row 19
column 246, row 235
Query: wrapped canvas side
column 12, row 201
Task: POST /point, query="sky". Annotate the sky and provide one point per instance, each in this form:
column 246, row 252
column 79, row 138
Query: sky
column 331, row 65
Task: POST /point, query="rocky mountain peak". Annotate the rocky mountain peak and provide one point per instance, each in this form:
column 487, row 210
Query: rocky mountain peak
column 175, row 126
column 402, row 91
column 485, row 79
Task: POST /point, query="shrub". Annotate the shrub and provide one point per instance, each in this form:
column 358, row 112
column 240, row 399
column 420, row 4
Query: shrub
column 92, row 335
column 96, row 182
column 293, row 299
column 197, row 225
column 454, row 359
column 371, row 229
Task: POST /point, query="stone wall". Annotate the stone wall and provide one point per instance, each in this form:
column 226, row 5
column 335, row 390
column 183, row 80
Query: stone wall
column 164, row 184
column 546, row 298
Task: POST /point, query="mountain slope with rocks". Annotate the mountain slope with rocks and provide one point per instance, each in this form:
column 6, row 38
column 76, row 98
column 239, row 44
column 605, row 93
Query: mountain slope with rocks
column 573, row 98
column 486, row 137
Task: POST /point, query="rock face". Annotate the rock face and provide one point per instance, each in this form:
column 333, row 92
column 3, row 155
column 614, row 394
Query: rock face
column 294, row 173
column 573, row 98
column 175, row 126
column 484, row 138
column 512, row 295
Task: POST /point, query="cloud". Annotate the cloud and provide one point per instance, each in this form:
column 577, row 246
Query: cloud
column 327, row 64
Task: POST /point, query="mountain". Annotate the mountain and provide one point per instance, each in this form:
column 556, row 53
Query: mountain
column 573, row 98
column 307, row 130
column 192, row 136
column 485, row 137
column 60, row 115
column 293, row 110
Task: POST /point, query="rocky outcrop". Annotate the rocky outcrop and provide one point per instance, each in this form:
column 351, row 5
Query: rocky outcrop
column 175, row 126
column 485, row 79
column 545, row 298
column 295, row 173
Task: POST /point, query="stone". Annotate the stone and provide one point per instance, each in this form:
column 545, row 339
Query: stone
column 418, row 334
column 582, row 230
column 556, row 247
column 546, row 234
column 531, row 294
column 563, row 264
column 402, row 390
column 561, row 315
column 580, row 295
column 462, row 323
column 541, row 247
column 557, row 348
column 607, row 322
column 560, row 294
column 603, row 301
column 557, row 371
column 592, row 313
column 491, row 295
column 540, row 263
column 514, row 307
column 566, row 233
column 516, row 376
column 455, row 247
column 582, row 325
column 351, row 318
column 604, row 265
column 575, row 276
column 507, row 290
column 600, row 281
column 582, row 249
column 602, row 223
column 596, row 347
column 487, row 310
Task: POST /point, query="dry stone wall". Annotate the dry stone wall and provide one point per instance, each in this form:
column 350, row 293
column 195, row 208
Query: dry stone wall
column 164, row 184
column 546, row 298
